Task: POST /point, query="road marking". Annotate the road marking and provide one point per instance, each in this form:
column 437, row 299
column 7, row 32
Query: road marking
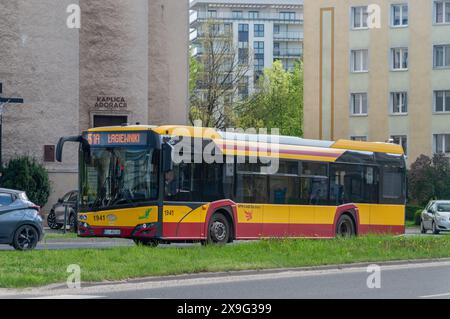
column 438, row 295
column 69, row 297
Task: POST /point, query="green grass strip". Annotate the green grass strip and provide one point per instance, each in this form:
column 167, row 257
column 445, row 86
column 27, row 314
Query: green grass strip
column 37, row 268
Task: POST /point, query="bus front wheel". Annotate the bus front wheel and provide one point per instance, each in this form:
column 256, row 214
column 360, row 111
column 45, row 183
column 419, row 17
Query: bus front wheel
column 146, row 242
column 218, row 230
column 345, row 227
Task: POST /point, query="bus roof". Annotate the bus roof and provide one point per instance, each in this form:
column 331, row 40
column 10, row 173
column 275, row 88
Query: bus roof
column 343, row 145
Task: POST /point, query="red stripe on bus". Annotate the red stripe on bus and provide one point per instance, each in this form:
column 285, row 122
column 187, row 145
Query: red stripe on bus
column 279, row 151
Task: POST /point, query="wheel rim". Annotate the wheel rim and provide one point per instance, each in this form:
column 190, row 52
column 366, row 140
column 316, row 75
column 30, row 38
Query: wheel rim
column 345, row 228
column 51, row 220
column 218, row 230
column 26, row 238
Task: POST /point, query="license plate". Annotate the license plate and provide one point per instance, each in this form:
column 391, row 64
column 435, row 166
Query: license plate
column 112, row 232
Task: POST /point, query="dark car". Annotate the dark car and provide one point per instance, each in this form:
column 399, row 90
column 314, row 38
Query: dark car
column 20, row 221
column 55, row 219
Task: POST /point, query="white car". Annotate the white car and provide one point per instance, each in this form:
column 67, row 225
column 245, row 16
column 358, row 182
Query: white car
column 436, row 217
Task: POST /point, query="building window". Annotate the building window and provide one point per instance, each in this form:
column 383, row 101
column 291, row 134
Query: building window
column 442, row 143
column 287, row 15
column 399, row 58
column 441, row 56
column 237, row 14
column 243, row 88
column 49, row 153
column 276, row 29
column 109, row 120
column 243, row 53
column 441, row 101
column 359, row 17
column 212, row 14
column 442, row 11
column 259, row 30
column 359, row 138
column 401, row 140
column 253, row 14
column 359, row 62
column 399, row 102
column 399, row 15
column 258, row 47
column 358, row 104
column 243, row 38
column 243, row 33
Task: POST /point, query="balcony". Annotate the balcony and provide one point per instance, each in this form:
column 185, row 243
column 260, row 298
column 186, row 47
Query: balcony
column 288, row 36
column 219, row 35
column 201, row 16
column 287, row 53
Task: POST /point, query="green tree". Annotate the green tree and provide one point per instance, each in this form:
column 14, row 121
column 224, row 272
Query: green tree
column 216, row 75
column 429, row 178
column 28, row 175
column 278, row 102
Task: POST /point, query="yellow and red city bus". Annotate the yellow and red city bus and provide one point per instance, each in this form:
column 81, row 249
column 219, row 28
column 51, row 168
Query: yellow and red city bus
column 131, row 186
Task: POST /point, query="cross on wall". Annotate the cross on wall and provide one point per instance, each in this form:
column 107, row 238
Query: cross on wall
column 3, row 102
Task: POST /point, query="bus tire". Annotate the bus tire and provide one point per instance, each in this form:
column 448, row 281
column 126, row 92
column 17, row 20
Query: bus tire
column 219, row 230
column 146, row 242
column 345, row 227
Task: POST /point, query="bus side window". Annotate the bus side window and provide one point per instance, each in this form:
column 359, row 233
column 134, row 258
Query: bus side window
column 392, row 186
column 353, row 184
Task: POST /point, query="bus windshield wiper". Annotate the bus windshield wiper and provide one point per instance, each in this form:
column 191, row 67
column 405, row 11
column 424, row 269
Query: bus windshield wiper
column 101, row 195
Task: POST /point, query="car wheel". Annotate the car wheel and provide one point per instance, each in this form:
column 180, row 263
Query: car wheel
column 51, row 221
column 435, row 229
column 73, row 223
column 423, row 230
column 146, row 242
column 25, row 238
column 218, row 230
column 345, row 227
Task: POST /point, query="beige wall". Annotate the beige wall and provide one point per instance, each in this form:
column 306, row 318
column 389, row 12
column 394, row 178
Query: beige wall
column 39, row 62
column 419, row 81
column 168, row 63
column 114, row 58
column 136, row 49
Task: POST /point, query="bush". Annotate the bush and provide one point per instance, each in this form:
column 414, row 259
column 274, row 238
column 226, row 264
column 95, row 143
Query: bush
column 28, row 175
column 411, row 211
column 418, row 217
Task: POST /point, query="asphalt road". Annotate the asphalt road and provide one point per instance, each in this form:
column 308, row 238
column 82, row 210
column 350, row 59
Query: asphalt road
column 423, row 280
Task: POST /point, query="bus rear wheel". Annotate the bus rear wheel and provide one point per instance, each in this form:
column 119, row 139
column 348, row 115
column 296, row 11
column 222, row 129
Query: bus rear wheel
column 218, row 230
column 345, row 227
column 146, row 242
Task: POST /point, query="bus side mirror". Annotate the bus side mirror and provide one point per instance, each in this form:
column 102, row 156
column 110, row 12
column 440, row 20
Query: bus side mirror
column 167, row 158
column 74, row 139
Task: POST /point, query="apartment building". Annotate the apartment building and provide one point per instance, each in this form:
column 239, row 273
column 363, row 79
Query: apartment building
column 379, row 70
column 263, row 31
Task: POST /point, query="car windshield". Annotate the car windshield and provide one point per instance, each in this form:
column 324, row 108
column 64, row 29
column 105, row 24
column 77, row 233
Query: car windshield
column 119, row 176
column 443, row 208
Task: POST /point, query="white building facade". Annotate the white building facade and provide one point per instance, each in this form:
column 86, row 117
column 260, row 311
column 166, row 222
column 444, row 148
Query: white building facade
column 266, row 30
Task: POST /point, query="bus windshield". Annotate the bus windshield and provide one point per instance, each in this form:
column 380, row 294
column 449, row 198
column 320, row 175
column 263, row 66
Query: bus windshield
column 119, row 176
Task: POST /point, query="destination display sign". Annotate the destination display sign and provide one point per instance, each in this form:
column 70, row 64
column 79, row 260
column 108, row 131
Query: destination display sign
column 117, row 139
